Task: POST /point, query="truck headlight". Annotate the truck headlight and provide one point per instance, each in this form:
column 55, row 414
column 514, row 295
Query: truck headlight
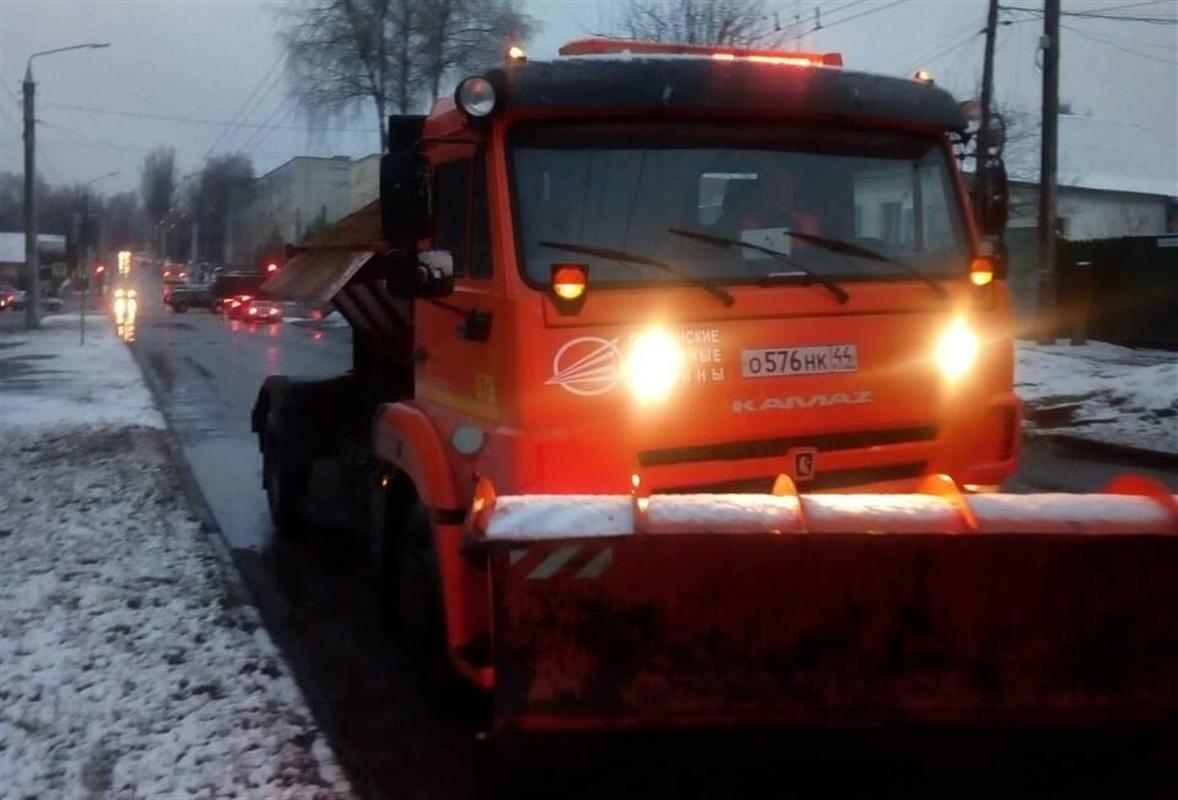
column 957, row 350
column 653, row 366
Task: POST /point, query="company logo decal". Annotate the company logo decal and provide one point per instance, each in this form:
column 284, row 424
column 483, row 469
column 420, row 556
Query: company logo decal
column 587, row 366
column 804, row 458
column 798, row 401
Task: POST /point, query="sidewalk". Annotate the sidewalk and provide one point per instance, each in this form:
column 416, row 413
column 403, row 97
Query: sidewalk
column 1101, row 395
column 131, row 663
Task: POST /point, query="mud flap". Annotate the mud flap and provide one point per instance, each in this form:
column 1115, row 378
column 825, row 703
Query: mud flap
column 834, row 630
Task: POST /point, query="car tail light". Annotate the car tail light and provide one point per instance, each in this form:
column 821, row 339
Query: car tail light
column 253, row 310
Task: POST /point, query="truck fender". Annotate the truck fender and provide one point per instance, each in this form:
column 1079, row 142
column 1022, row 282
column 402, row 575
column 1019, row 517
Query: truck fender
column 404, row 438
column 310, row 417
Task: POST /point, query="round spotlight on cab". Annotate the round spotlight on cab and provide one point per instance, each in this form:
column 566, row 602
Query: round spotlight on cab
column 475, row 96
column 654, row 365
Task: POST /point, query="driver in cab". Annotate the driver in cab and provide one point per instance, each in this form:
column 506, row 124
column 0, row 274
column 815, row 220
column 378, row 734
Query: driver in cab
column 762, row 211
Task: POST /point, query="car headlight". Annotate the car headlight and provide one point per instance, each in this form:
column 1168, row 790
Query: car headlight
column 132, row 293
column 653, row 366
column 957, row 350
column 120, row 293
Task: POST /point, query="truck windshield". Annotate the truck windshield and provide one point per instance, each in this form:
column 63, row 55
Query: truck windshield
column 637, row 189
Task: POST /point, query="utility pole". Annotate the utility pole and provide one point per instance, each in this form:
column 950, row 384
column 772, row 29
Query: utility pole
column 1047, row 169
column 32, row 298
column 32, row 294
column 983, row 144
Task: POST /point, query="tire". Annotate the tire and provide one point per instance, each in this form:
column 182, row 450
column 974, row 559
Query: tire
column 180, row 308
column 286, row 489
column 410, row 586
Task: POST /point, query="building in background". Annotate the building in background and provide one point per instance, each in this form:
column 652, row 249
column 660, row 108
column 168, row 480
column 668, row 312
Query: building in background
column 297, row 199
column 51, row 251
column 1114, row 179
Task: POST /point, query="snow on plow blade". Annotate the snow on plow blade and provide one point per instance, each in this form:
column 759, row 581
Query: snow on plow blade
column 827, row 611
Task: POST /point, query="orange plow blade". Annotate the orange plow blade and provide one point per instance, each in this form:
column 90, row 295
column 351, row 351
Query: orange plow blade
column 826, row 611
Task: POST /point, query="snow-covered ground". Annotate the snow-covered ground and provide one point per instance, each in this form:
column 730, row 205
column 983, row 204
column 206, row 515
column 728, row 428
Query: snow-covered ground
column 1101, row 392
column 131, row 663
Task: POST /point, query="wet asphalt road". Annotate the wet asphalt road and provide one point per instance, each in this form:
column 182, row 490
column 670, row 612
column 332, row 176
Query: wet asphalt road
column 317, row 601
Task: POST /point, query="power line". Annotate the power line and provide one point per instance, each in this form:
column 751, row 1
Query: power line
column 1126, row 5
column 1116, row 46
column 252, row 101
column 931, row 58
column 860, row 15
column 195, row 120
column 843, row 7
column 1095, row 15
column 928, row 46
column 253, row 137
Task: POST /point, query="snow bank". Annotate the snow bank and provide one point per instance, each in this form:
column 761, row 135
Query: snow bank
column 132, row 664
column 1121, row 395
column 49, row 379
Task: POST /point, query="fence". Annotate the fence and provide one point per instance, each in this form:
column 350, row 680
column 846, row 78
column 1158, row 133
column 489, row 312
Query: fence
column 1122, row 290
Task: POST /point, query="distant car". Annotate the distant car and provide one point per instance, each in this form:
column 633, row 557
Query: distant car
column 51, row 304
column 227, row 285
column 235, row 307
column 260, row 310
column 11, row 297
column 183, row 297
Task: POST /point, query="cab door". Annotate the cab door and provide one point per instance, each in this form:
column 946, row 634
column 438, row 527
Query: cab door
column 459, row 358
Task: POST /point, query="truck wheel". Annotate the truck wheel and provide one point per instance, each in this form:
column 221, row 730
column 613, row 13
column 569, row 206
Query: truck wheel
column 286, row 488
column 420, row 613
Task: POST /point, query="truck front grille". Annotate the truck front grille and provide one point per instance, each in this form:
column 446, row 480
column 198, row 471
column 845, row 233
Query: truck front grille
column 769, row 448
column 822, row 481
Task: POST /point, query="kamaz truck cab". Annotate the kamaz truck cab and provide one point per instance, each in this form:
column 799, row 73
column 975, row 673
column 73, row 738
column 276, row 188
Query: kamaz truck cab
column 658, row 270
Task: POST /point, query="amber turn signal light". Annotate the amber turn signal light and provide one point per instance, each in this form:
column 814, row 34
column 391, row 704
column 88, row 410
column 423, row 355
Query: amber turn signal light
column 569, row 282
column 981, row 272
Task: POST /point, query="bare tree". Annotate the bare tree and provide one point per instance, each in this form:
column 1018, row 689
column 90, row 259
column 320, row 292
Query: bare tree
column 122, row 221
column 158, row 182
column 741, row 23
column 463, row 35
column 222, row 186
column 342, row 54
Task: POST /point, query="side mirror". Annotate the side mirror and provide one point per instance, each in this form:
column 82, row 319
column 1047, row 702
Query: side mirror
column 404, row 198
column 993, row 198
column 425, row 275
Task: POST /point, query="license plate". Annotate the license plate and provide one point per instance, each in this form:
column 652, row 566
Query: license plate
column 774, row 362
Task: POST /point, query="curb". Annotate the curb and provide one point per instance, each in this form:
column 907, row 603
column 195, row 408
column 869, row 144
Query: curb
column 188, row 481
column 1110, row 451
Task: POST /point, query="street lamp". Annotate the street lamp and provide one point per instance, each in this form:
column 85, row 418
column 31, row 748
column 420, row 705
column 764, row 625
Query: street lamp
column 32, row 300
column 85, row 237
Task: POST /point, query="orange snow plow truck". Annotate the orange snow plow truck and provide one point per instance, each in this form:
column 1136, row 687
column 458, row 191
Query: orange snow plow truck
column 681, row 395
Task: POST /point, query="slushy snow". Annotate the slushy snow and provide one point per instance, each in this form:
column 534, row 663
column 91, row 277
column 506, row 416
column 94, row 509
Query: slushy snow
column 131, row 662
column 1122, row 395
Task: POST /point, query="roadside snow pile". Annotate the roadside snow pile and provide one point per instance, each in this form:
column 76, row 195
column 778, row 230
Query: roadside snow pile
column 48, row 378
column 1101, row 392
column 131, row 664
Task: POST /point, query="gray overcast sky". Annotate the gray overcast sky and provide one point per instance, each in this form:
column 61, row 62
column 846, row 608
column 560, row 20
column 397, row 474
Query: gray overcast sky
column 201, row 59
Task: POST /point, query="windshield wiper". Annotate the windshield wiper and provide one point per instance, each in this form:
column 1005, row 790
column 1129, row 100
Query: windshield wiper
column 839, row 292
column 630, row 258
column 850, row 249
